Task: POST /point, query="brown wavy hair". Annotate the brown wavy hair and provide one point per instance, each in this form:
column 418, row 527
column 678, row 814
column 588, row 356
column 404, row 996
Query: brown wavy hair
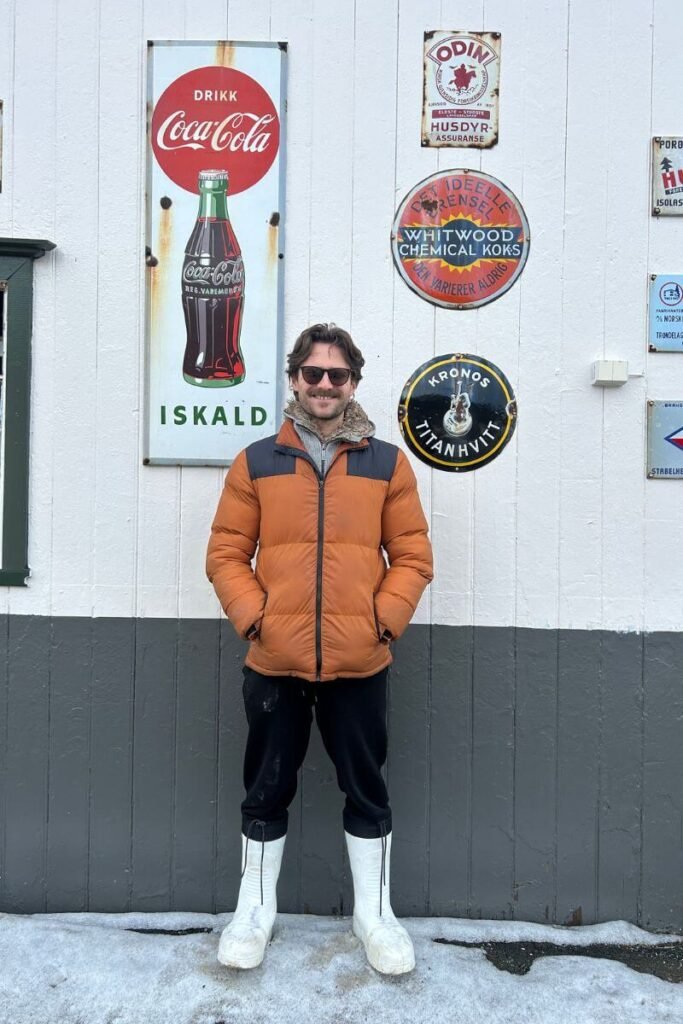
column 328, row 334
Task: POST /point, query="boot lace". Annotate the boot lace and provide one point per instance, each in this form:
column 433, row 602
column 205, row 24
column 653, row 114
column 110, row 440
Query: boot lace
column 383, row 868
column 262, row 825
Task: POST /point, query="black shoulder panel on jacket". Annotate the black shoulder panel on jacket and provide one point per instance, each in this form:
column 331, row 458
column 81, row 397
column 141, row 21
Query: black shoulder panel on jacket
column 376, row 462
column 264, row 460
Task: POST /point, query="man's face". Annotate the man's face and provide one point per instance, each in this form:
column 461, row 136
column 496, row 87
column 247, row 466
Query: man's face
column 325, row 401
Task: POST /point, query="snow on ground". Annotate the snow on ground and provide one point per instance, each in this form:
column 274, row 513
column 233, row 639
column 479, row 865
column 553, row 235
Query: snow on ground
column 88, row 969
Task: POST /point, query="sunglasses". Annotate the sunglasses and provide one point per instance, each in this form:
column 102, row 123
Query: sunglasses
column 337, row 375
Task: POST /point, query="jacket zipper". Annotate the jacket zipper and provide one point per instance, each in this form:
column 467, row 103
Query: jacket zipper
column 321, row 539
column 319, row 566
column 319, row 581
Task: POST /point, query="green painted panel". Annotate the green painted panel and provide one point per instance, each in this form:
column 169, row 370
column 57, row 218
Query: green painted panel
column 16, row 272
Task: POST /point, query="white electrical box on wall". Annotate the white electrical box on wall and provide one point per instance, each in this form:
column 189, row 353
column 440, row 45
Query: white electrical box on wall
column 610, row 373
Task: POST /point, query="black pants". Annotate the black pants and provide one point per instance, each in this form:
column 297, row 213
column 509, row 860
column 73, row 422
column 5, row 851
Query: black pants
column 351, row 716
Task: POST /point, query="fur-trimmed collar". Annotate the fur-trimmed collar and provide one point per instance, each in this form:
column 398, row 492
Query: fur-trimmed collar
column 354, row 427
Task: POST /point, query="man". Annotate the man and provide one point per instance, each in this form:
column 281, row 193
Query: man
column 318, row 503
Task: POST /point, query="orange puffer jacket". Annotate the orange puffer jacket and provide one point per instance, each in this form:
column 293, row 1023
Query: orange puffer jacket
column 321, row 594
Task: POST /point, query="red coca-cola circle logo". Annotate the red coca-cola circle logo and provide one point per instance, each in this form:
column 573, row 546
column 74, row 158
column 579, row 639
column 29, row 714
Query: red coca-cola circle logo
column 215, row 118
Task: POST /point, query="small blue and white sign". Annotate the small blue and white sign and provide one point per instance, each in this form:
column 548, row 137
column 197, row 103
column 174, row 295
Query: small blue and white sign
column 666, row 313
column 665, row 440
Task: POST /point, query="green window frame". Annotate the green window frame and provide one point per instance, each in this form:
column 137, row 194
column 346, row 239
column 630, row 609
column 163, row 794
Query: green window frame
column 16, row 280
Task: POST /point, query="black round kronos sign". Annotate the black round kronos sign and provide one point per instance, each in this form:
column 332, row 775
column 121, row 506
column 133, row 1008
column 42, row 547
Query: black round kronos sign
column 457, row 412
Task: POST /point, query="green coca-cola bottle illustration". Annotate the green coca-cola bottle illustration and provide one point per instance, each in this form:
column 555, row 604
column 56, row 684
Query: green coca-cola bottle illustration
column 213, row 291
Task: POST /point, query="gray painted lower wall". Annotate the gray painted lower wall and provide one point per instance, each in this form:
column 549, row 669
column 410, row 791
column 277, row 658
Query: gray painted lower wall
column 533, row 774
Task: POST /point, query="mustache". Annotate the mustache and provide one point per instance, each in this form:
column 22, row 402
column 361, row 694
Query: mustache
column 324, row 394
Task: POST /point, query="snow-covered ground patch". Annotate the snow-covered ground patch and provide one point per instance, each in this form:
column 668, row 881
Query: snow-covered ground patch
column 90, row 969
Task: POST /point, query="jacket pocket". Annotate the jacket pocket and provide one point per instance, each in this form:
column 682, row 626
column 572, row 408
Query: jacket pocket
column 378, row 628
column 257, row 635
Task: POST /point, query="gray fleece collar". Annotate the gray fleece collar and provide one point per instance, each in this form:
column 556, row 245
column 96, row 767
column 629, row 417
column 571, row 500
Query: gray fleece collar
column 354, row 427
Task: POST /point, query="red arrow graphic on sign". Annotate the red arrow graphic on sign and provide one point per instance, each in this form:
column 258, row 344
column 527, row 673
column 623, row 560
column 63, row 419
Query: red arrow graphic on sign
column 676, row 438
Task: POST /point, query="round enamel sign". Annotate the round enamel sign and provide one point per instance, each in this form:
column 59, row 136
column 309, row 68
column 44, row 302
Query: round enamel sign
column 457, row 412
column 460, row 239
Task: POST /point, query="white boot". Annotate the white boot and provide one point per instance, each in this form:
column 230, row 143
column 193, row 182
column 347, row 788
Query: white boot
column 243, row 943
column 387, row 943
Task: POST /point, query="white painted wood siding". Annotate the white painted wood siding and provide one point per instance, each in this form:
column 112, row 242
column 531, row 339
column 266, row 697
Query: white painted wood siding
column 562, row 530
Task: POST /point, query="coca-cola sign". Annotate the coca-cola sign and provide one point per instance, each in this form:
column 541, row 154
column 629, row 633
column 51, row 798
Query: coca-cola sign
column 215, row 117
column 214, row 247
column 226, row 274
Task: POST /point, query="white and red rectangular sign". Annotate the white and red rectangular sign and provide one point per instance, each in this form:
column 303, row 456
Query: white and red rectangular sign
column 667, row 176
column 215, row 205
column 461, row 87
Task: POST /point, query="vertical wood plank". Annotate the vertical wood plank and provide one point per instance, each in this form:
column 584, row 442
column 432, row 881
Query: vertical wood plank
column 232, row 736
column 4, row 739
column 543, row 126
column 535, row 756
column 450, row 767
column 492, row 853
column 661, row 537
column 27, row 764
column 76, row 225
column 121, row 556
column 579, row 718
column 372, row 199
column 494, row 523
column 581, row 406
column 624, row 285
column 157, row 564
column 194, row 824
column 408, row 769
column 33, row 114
column 332, row 59
column 7, row 51
column 69, row 757
column 248, row 19
column 208, row 20
column 662, row 858
column 111, row 765
column 154, row 763
column 294, row 24
column 621, row 796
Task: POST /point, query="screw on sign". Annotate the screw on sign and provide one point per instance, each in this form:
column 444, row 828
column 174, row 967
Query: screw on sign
column 457, row 412
column 460, row 239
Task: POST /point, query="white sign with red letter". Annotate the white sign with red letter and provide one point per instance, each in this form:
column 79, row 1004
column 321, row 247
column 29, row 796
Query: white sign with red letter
column 214, row 252
column 667, row 175
column 461, row 85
